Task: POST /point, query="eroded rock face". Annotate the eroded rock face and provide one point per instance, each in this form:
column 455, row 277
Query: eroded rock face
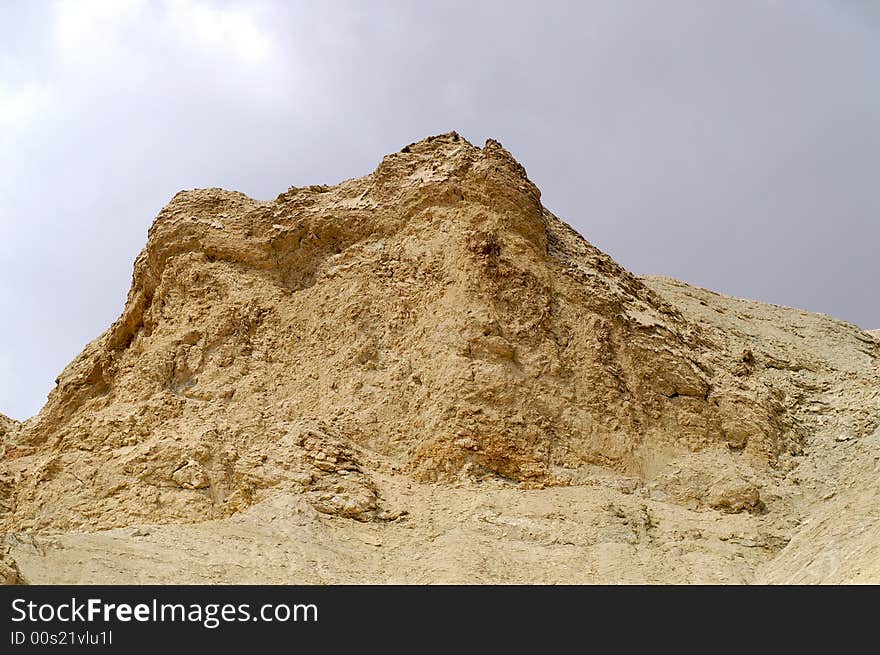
column 9, row 573
column 7, row 425
column 432, row 319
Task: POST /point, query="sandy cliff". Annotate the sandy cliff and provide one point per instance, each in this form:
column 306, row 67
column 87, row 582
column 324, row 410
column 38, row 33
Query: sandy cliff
column 423, row 375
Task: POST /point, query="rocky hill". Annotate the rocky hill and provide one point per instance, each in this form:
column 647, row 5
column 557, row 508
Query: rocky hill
column 423, row 375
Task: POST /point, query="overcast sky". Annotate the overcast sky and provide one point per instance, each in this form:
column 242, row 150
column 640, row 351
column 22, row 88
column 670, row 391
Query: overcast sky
column 734, row 145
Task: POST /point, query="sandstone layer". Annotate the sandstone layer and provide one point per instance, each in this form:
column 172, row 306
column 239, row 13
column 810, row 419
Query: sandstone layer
column 423, row 375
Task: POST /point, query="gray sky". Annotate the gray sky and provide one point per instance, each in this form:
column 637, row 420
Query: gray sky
column 735, row 145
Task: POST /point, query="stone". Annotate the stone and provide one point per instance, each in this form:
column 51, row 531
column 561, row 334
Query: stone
column 191, row 476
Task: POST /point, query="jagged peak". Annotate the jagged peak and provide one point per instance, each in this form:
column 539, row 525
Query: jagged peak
column 444, row 156
column 451, row 145
column 436, row 141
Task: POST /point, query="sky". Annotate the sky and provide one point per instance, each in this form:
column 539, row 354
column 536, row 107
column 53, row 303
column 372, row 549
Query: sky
column 734, row 145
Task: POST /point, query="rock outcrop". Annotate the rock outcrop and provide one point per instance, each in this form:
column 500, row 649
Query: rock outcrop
column 431, row 322
column 7, row 425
